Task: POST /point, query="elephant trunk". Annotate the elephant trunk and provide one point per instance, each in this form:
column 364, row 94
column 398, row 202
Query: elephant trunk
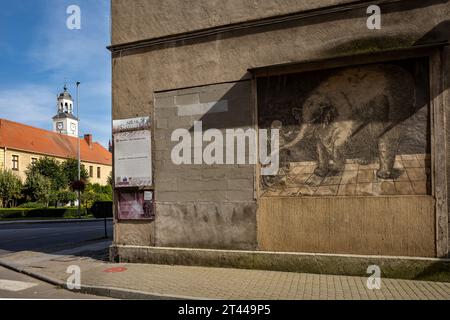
column 304, row 130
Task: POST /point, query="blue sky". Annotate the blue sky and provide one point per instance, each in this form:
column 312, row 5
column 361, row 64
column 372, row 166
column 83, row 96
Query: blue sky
column 38, row 53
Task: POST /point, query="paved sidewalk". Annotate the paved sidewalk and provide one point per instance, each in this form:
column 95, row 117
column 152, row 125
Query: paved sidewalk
column 161, row 282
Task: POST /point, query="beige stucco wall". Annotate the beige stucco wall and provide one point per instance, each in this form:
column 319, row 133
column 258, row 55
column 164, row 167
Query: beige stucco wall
column 154, row 18
column 226, row 57
column 105, row 171
column 136, row 75
column 25, row 161
column 2, row 158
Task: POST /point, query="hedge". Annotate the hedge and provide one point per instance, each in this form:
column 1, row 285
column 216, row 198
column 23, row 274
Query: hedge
column 15, row 213
column 101, row 208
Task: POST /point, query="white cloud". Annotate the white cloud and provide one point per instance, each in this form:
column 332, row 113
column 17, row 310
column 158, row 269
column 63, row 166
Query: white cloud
column 31, row 104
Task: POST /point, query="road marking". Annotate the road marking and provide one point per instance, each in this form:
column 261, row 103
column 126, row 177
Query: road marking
column 15, row 286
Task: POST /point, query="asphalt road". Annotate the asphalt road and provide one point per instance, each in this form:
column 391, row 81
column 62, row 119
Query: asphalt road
column 14, row 285
column 48, row 237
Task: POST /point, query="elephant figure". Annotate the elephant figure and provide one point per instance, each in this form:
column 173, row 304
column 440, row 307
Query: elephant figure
column 376, row 97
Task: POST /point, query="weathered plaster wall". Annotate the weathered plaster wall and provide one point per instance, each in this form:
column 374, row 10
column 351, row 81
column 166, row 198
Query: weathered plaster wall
column 222, row 58
column 134, row 233
column 154, row 18
column 446, row 72
column 201, row 205
column 226, row 58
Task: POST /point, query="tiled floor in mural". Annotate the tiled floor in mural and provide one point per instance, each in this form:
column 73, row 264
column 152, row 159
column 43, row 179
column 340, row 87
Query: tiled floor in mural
column 412, row 178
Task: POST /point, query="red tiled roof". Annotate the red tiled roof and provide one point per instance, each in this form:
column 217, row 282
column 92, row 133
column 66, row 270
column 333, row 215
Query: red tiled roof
column 22, row 137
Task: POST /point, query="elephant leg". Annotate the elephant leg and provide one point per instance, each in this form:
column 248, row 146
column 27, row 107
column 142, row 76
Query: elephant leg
column 339, row 156
column 342, row 137
column 368, row 144
column 324, row 160
column 388, row 146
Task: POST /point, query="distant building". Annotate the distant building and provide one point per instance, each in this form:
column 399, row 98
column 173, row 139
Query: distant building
column 65, row 122
column 21, row 145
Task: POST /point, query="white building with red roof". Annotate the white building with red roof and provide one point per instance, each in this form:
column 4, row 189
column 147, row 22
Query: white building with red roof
column 21, row 145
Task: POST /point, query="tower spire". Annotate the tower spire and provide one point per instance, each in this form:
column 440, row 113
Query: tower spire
column 65, row 122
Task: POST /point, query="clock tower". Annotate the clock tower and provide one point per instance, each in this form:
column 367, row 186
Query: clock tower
column 65, row 122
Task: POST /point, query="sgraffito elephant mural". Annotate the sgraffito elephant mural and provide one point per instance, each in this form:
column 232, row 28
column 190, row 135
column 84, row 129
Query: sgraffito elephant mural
column 378, row 96
column 365, row 122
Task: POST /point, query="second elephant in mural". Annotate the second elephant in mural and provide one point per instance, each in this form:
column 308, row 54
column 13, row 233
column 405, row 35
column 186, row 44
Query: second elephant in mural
column 352, row 101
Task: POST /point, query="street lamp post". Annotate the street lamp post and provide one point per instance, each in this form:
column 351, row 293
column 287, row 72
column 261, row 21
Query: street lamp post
column 78, row 147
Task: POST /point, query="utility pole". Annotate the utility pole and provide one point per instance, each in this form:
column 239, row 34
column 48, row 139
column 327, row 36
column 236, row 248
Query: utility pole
column 78, row 145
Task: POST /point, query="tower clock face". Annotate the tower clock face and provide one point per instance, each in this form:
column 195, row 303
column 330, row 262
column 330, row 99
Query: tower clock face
column 73, row 126
column 59, row 125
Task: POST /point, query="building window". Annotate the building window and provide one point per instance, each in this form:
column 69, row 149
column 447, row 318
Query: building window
column 15, row 163
column 91, row 171
column 33, row 160
column 99, row 174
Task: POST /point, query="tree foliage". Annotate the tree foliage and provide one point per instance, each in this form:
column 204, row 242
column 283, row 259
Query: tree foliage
column 10, row 188
column 51, row 169
column 70, row 170
column 66, row 196
column 39, row 188
column 95, row 192
column 51, row 182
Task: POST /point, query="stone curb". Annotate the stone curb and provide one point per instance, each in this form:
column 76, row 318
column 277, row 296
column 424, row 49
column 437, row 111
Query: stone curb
column 52, row 221
column 407, row 268
column 104, row 291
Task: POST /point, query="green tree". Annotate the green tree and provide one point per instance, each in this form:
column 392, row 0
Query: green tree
column 39, row 188
column 88, row 197
column 110, row 179
column 10, row 188
column 104, row 193
column 70, row 171
column 52, row 169
column 66, row 196
column 95, row 192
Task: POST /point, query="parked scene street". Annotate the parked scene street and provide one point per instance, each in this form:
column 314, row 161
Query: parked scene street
column 57, row 238
column 47, row 237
